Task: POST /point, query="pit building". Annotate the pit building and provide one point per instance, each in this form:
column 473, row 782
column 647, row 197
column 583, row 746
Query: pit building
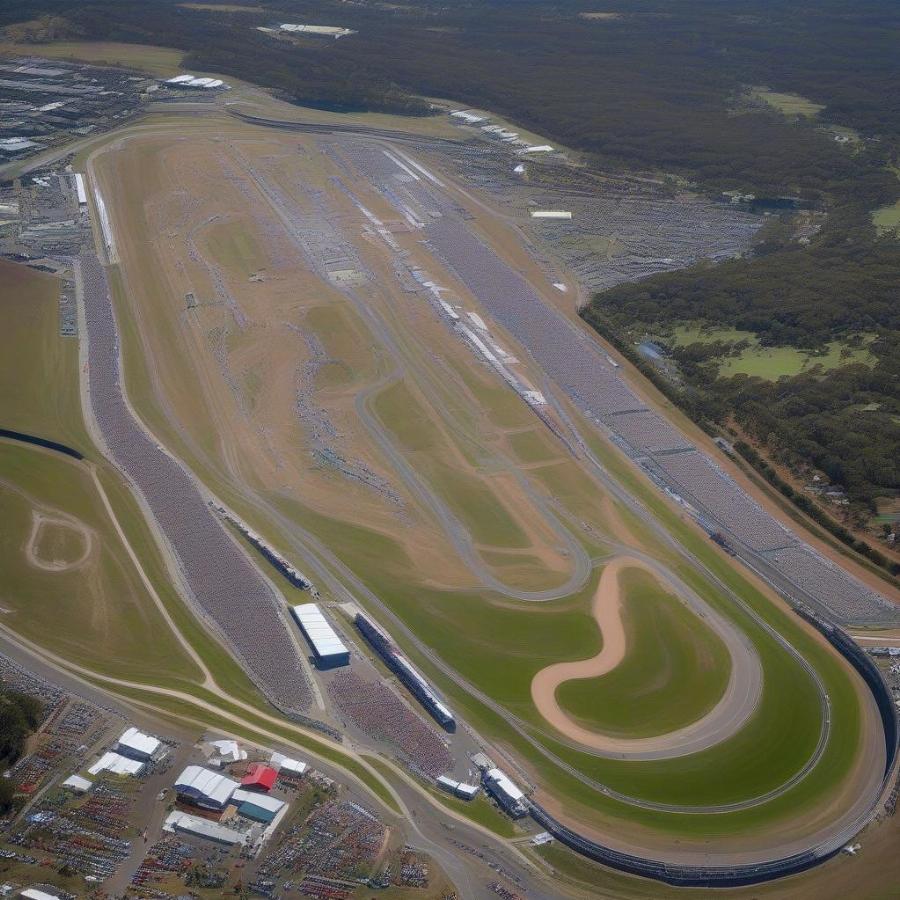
column 328, row 649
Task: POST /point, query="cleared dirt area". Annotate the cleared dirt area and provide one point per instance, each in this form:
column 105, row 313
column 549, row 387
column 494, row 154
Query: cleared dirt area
column 57, row 543
column 737, row 703
column 224, row 299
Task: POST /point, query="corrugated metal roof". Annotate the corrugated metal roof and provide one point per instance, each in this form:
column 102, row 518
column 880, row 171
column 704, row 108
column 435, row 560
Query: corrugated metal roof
column 77, row 783
column 181, row 821
column 503, row 783
column 318, row 632
column 212, row 785
column 285, row 763
column 263, row 801
column 117, row 764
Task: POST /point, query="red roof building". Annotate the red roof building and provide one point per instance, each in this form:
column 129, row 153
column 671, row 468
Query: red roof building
column 259, row 776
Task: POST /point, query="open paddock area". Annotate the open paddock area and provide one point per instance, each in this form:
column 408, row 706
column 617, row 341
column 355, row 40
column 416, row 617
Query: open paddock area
column 887, row 219
column 791, row 105
column 367, row 365
column 771, row 362
column 34, row 357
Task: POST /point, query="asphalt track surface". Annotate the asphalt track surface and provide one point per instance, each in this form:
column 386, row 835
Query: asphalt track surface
column 741, row 702
column 458, row 534
column 326, row 570
column 745, row 679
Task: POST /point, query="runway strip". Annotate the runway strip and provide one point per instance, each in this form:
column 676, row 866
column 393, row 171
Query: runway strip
column 737, row 704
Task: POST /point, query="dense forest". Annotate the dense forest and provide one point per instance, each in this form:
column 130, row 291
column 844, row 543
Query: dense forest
column 20, row 715
column 655, row 85
column 654, row 88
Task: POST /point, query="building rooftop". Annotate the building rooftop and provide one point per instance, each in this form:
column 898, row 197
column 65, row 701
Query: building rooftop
column 286, row 764
column 138, row 742
column 117, row 764
column 504, row 783
column 201, row 782
column 317, row 629
column 259, row 776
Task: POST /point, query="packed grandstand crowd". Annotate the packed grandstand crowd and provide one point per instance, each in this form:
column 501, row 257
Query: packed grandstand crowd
column 377, row 711
column 223, row 582
column 573, row 361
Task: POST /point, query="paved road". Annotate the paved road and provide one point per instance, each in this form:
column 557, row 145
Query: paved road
column 430, row 828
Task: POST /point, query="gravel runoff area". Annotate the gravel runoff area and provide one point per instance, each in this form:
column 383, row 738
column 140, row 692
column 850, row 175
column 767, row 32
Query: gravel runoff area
column 223, row 582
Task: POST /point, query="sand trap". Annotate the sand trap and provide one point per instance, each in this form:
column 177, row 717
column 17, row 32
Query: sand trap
column 38, row 521
column 727, row 716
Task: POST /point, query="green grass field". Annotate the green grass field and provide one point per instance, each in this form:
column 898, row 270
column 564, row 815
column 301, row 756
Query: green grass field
column 38, row 384
column 99, row 614
column 517, row 635
column 477, row 505
column 532, row 446
column 233, row 243
column 770, row 362
column 887, row 219
column 39, row 393
column 791, row 105
column 503, row 641
column 676, row 669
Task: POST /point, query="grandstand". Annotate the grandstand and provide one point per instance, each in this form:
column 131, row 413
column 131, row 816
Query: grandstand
column 594, row 383
column 223, row 584
column 398, row 663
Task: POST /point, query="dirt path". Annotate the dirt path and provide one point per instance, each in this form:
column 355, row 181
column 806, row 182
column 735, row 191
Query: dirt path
column 737, row 703
column 38, row 521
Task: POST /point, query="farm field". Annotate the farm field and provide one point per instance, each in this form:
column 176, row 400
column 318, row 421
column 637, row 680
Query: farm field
column 399, row 437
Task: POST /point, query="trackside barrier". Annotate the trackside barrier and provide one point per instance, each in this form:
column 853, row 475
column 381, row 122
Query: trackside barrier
column 756, row 873
column 41, row 442
column 678, row 875
column 868, row 671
